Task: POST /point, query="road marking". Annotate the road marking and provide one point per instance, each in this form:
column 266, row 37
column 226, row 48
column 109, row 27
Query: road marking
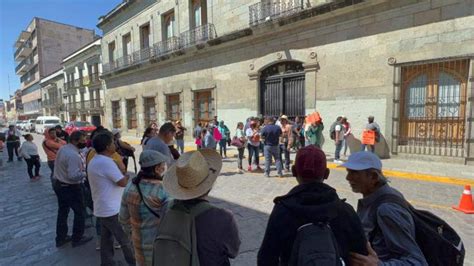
column 415, row 176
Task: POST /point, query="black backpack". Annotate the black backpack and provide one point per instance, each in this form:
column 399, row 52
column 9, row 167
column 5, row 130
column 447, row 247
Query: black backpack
column 438, row 241
column 315, row 243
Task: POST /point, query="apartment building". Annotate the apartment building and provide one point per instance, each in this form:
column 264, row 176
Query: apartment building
column 14, row 107
column 409, row 63
column 83, row 88
column 39, row 51
column 53, row 95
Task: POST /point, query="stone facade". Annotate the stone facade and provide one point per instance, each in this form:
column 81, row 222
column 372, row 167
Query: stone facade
column 350, row 55
column 83, row 88
column 52, row 90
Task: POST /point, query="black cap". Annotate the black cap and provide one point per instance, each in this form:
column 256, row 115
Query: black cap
column 58, row 127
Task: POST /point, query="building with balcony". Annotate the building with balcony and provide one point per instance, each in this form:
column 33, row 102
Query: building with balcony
column 39, row 50
column 14, row 107
column 83, row 87
column 53, row 99
column 408, row 63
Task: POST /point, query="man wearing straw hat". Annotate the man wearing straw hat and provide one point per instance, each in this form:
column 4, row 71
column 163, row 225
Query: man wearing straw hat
column 188, row 182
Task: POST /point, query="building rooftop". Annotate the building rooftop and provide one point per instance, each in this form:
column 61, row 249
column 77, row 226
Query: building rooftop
column 95, row 42
column 52, row 76
column 116, row 10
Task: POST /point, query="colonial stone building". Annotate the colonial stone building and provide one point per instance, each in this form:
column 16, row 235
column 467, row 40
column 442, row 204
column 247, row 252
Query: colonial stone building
column 52, row 90
column 83, row 88
column 407, row 62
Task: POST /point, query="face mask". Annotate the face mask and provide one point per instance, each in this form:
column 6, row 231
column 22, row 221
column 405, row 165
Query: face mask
column 81, row 146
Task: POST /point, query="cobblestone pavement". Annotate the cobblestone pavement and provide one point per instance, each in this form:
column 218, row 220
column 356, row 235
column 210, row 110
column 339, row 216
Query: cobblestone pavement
column 28, row 212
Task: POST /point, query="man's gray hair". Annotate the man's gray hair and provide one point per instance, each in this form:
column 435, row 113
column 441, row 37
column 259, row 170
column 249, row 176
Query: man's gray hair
column 382, row 179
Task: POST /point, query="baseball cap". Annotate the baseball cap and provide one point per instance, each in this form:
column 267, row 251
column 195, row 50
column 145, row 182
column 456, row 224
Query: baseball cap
column 310, row 163
column 363, row 160
column 150, row 158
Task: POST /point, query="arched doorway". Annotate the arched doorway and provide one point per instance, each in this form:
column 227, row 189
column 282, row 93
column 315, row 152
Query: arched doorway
column 282, row 89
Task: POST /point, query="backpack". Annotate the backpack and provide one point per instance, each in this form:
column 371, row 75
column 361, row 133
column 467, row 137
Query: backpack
column 332, row 130
column 438, row 241
column 176, row 242
column 315, row 243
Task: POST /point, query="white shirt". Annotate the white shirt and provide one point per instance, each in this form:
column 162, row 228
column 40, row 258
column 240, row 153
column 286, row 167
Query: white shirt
column 27, row 149
column 103, row 175
column 69, row 165
column 249, row 134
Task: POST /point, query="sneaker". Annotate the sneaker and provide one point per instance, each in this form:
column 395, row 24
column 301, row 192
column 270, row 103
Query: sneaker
column 280, row 176
column 19, row 159
column 63, row 242
column 117, row 245
column 249, row 168
column 338, row 161
column 97, row 244
column 82, row 241
column 266, row 175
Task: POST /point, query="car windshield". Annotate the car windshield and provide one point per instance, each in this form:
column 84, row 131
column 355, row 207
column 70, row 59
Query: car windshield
column 32, row 121
column 82, row 124
column 51, row 122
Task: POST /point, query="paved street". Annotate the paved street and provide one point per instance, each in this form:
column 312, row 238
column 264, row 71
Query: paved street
column 28, row 212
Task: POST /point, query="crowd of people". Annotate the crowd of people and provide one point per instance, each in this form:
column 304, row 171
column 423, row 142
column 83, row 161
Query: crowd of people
column 162, row 216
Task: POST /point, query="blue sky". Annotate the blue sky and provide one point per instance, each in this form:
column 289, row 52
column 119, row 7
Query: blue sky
column 15, row 15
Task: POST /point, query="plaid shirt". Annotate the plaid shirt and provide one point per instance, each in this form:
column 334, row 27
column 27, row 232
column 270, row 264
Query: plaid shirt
column 144, row 224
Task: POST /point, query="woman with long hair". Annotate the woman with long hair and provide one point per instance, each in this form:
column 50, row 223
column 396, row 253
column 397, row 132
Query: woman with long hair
column 143, row 203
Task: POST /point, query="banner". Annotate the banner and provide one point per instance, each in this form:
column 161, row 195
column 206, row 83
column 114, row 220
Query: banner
column 368, row 137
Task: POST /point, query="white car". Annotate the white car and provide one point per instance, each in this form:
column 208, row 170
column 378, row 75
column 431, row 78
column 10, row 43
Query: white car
column 30, row 125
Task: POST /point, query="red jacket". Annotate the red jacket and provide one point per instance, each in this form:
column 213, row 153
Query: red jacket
column 51, row 146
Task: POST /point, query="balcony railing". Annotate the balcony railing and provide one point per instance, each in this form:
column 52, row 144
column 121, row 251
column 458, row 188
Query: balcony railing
column 78, row 83
column 196, row 36
column 89, row 105
column 266, row 11
column 51, row 102
column 23, row 67
column 68, row 85
column 275, row 9
column 92, row 79
column 23, row 51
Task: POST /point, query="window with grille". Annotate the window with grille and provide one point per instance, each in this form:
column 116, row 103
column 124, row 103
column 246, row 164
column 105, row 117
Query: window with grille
column 433, row 104
column 203, row 106
column 131, row 114
column 173, row 111
column 150, row 110
column 116, row 118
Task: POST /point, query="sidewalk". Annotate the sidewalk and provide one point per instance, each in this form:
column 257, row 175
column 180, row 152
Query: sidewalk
column 423, row 170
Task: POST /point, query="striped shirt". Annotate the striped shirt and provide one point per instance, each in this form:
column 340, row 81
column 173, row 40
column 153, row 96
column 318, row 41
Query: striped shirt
column 143, row 223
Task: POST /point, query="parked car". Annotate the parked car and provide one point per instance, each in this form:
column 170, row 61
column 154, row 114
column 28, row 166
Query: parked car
column 44, row 122
column 19, row 124
column 79, row 125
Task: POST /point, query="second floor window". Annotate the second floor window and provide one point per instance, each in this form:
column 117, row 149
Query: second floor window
column 169, row 25
column 145, row 36
column 111, row 51
column 127, row 44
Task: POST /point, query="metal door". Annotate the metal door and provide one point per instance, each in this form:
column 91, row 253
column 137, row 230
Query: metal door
column 283, row 94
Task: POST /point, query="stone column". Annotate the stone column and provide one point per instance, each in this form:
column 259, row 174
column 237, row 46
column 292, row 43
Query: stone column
column 123, row 111
column 310, row 86
column 397, row 72
column 140, row 115
column 469, row 128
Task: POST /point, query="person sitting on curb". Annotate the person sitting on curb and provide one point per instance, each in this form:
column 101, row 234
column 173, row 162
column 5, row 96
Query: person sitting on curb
column 392, row 231
column 190, row 217
column 311, row 201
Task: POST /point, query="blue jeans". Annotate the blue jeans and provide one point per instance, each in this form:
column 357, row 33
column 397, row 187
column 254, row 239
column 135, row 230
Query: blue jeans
column 337, row 155
column 285, row 151
column 253, row 151
column 272, row 151
column 180, row 143
column 371, row 148
column 223, row 146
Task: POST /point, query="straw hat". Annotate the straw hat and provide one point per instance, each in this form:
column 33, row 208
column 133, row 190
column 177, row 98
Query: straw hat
column 193, row 174
column 284, row 117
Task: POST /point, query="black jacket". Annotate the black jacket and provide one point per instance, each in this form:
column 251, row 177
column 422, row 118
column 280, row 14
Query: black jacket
column 301, row 205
